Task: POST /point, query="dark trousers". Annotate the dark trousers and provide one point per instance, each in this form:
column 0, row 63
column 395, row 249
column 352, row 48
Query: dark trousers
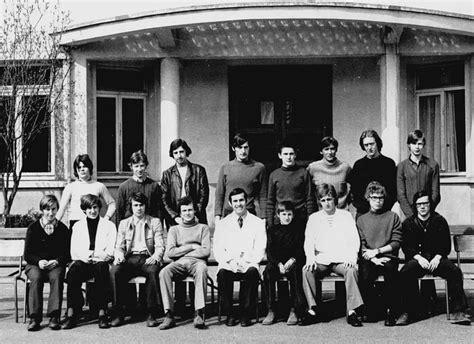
column 412, row 270
column 37, row 277
column 368, row 273
column 272, row 274
column 247, row 293
column 134, row 266
column 80, row 272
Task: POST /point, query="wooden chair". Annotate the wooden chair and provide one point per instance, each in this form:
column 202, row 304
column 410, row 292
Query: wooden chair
column 11, row 255
column 464, row 243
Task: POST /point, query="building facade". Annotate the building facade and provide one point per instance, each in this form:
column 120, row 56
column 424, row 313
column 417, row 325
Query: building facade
column 298, row 69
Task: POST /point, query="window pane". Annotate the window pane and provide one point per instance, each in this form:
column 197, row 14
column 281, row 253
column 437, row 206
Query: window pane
column 132, row 128
column 455, row 155
column 6, row 107
column 36, row 134
column 430, row 125
column 106, row 135
column 120, row 80
column 440, row 76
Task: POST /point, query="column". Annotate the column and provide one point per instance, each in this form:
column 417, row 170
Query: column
column 169, row 82
column 390, row 86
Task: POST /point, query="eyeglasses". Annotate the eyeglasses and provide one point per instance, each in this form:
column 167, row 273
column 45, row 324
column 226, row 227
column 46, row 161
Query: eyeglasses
column 421, row 204
column 377, row 198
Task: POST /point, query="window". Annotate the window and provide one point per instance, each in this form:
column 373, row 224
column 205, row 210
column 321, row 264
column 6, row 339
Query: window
column 120, row 118
column 440, row 97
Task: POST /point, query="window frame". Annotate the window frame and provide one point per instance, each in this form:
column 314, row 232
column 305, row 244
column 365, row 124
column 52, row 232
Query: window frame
column 441, row 92
column 118, row 96
column 28, row 91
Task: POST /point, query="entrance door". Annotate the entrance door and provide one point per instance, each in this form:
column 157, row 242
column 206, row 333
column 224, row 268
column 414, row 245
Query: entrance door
column 271, row 103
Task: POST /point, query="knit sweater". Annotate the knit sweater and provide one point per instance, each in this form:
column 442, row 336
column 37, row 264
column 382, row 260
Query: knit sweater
column 39, row 245
column 289, row 184
column 149, row 188
column 285, row 242
column 250, row 176
column 379, row 229
column 331, row 239
column 365, row 170
column 335, row 173
column 412, row 178
column 181, row 237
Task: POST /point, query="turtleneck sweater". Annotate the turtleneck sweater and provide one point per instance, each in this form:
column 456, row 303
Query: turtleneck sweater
column 180, row 237
column 92, row 228
column 289, row 184
column 335, row 173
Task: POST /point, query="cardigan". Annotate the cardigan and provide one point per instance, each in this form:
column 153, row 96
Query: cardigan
column 104, row 240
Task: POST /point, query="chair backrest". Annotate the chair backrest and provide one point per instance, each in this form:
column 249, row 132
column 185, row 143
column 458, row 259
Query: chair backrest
column 463, row 243
column 11, row 253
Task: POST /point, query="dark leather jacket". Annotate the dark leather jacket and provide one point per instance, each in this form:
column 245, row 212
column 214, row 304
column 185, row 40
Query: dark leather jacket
column 197, row 187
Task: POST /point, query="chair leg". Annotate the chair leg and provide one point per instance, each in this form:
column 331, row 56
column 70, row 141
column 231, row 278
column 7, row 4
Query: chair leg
column 25, row 301
column 448, row 315
column 16, row 299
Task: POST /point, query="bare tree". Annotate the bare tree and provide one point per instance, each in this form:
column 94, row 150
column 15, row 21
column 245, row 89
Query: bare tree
column 33, row 73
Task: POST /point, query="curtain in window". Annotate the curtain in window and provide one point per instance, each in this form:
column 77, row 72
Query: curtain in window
column 449, row 161
column 430, row 124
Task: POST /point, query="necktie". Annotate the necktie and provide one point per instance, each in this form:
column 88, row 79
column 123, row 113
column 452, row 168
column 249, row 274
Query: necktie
column 240, row 220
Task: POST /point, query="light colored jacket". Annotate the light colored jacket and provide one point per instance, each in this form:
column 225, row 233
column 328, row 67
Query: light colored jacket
column 155, row 243
column 232, row 242
column 104, row 240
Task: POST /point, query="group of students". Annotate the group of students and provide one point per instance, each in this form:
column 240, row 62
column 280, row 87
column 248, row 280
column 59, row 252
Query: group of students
column 298, row 241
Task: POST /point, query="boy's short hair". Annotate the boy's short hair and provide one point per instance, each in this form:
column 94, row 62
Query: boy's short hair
column 89, row 200
column 375, row 187
column 238, row 191
column 137, row 157
column 417, row 196
column 239, row 140
column 324, row 190
column 416, row 135
column 285, row 206
column 327, row 141
column 175, row 144
column 48, row 201
column 137, row 197
column 287, row 143
column 186, row 200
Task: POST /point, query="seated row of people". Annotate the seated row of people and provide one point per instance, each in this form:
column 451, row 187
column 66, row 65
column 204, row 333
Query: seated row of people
column 331, row 242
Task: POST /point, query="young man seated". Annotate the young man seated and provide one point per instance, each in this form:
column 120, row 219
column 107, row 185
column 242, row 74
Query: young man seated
column 285, row 257
column 189, row 246
column 139, row 251
column 426, row 245
column 380, row 234
column 331, row 245
column 239, row 246
column 92, row 248
column 46, row 254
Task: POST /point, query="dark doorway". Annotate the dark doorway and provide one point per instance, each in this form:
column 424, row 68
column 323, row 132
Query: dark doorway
column 272, row 103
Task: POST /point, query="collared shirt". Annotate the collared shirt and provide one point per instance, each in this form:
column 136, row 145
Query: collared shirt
column 138, row 241
column 135, row 178
column 182, row 172
column 48, row 226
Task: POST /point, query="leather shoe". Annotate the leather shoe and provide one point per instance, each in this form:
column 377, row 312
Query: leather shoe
column 69, row 323
column 308, row 319
column 269, row 319
column 34, row 325
column 403, row 320
column 151, row 321
column 245, row 322
column 54, row 323
column 231, row 321
column 167, row 323
column 353, row 320
column 460, row 318
column 117, row 321
column 390, row 319
column 104, row 322
column 292, row 319
column 198, row 322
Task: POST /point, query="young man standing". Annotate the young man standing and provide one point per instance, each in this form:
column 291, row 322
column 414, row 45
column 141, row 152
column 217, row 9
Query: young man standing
column 417, row 173
column 92, row 248
column 139, row 251
column 331, row 170
column 285, row 257
column 331, row 245
column 139, row 182
column 184, row 179
column 380, row 234
column 189, row 246
column 426, row 245
column 239, row 247
column 373, row 167
column 242, row 172
column 291, row 183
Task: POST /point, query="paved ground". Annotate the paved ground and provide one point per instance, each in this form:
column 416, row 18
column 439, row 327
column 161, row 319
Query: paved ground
column 433, row 330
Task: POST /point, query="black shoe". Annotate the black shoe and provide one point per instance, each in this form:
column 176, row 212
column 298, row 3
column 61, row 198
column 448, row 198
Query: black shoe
column 403, row 320
column 245, row 322
column 151, row 321
column 390, row 319
column 34, row 325
column 54, row 323
column 117, row 321
column 308, row 319
column 103, row 322
column 460, row 318
column 231, row 321
column 369, row 318
column 354, row 320
column 69, row 323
